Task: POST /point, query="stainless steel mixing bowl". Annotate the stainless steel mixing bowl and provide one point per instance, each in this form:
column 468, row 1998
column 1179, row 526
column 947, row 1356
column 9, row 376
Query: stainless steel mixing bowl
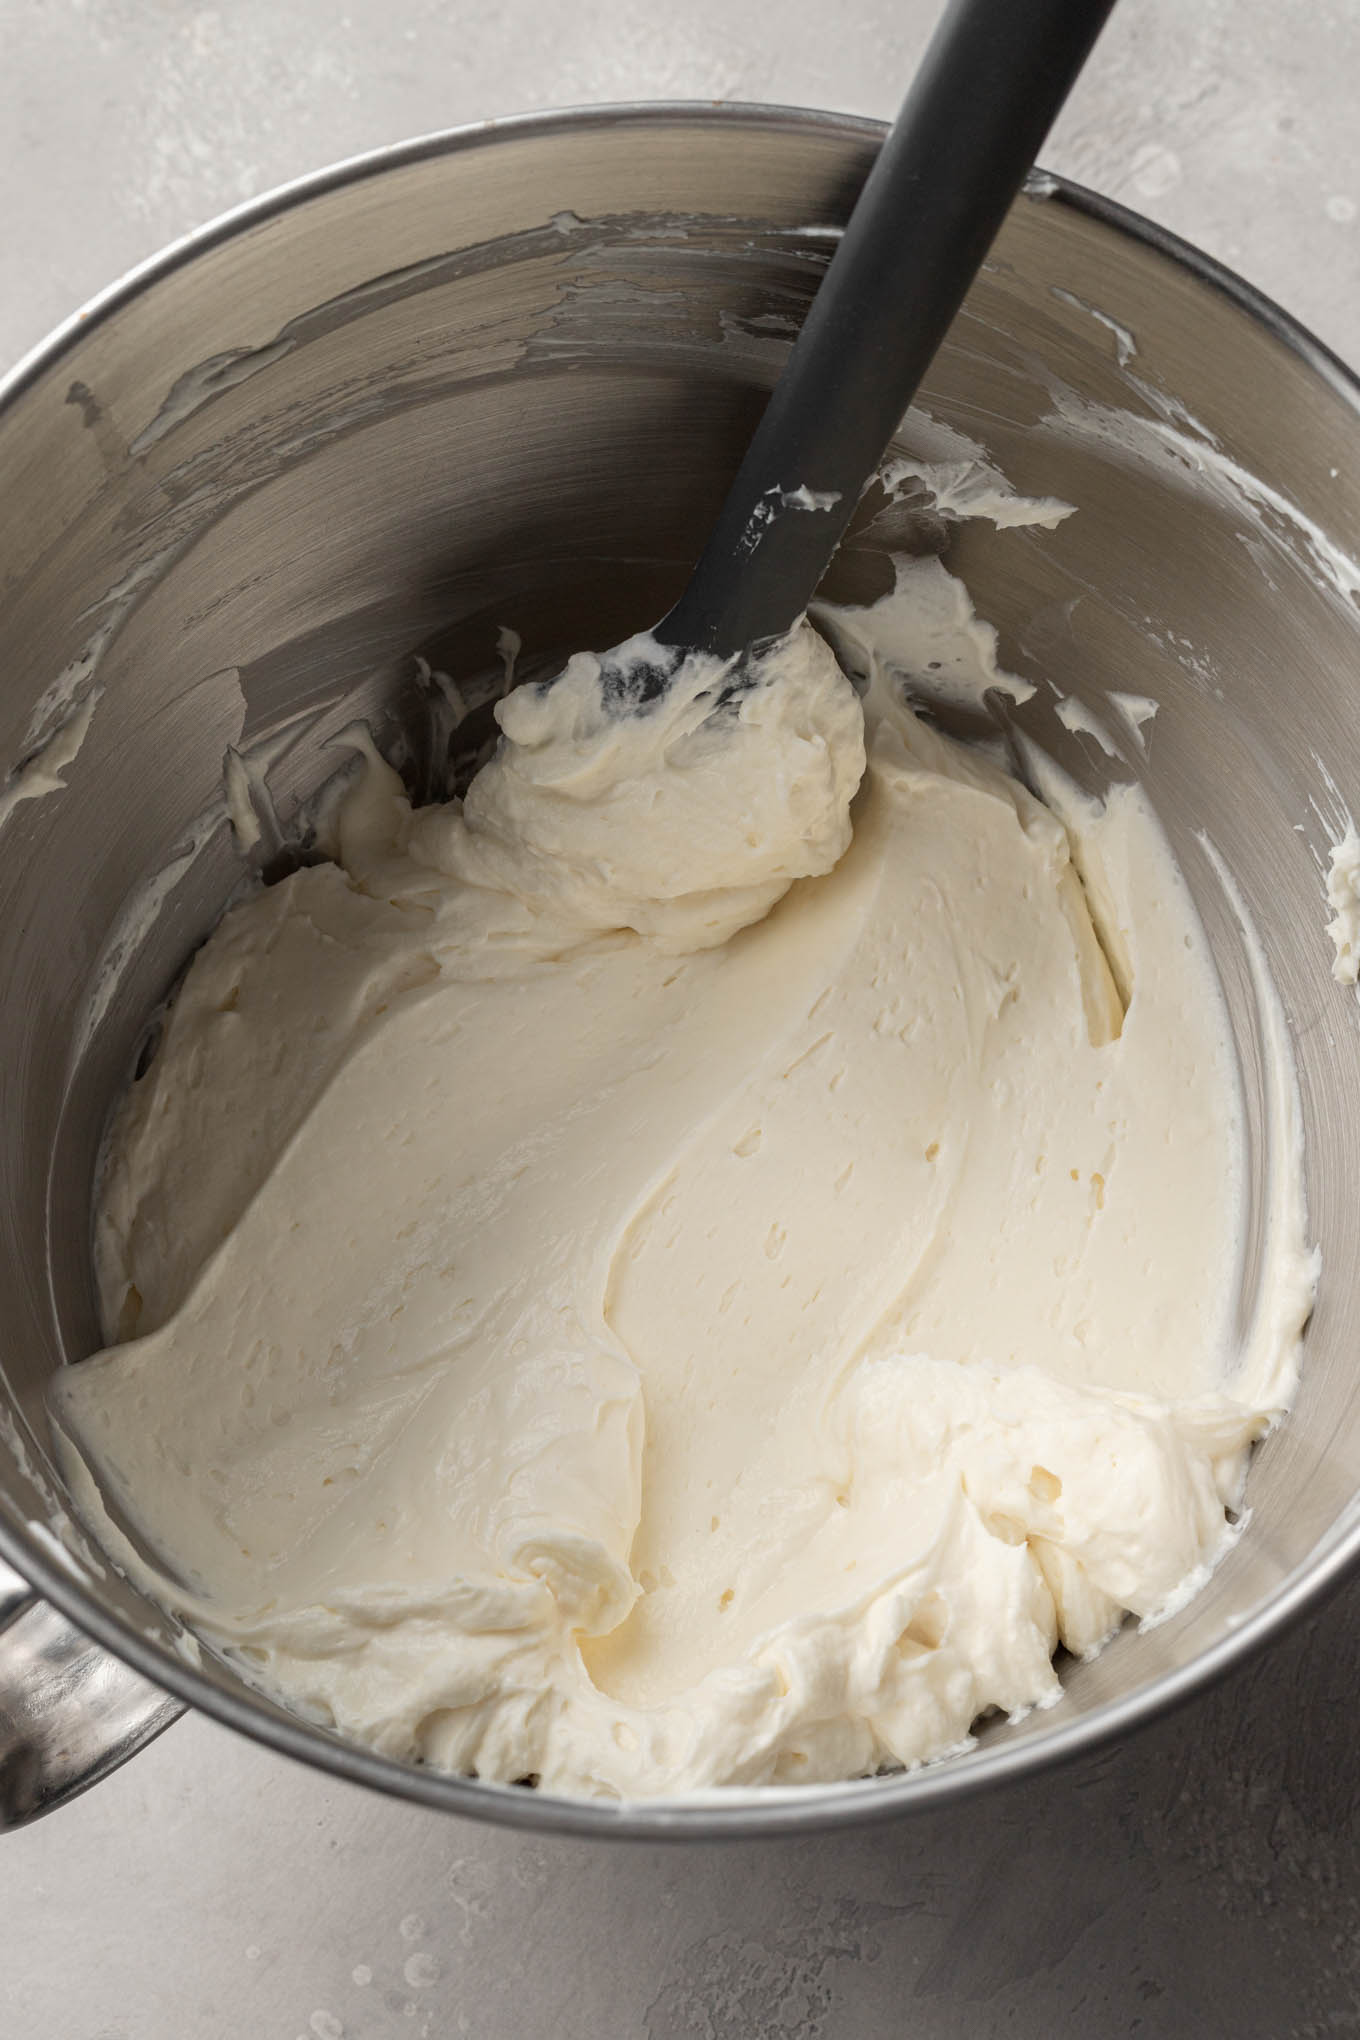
column 502, row 376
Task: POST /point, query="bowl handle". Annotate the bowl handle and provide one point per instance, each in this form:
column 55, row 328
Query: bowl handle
column 69, row 1713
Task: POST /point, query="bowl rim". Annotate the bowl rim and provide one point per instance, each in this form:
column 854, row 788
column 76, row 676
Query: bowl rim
column 726, row 1812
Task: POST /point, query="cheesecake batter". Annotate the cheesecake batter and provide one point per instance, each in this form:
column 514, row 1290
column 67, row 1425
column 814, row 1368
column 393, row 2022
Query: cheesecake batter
column 702, row 1264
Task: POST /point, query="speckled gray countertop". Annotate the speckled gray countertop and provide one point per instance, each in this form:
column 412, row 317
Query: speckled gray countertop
column 1203, row 1880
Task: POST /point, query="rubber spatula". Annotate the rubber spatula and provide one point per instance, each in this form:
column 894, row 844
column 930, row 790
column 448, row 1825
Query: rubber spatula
column 991, row 83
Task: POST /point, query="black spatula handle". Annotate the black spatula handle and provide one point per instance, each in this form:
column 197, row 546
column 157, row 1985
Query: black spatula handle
column 988, row 89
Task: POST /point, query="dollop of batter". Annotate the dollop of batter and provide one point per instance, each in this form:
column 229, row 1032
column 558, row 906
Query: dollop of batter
column 699, row 1265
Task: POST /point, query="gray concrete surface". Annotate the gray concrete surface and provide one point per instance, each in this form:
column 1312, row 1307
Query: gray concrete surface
column 1203, row 1880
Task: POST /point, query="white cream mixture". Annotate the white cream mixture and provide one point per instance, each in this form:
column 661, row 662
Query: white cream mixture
column 1343, row 897
column 681, row 1271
